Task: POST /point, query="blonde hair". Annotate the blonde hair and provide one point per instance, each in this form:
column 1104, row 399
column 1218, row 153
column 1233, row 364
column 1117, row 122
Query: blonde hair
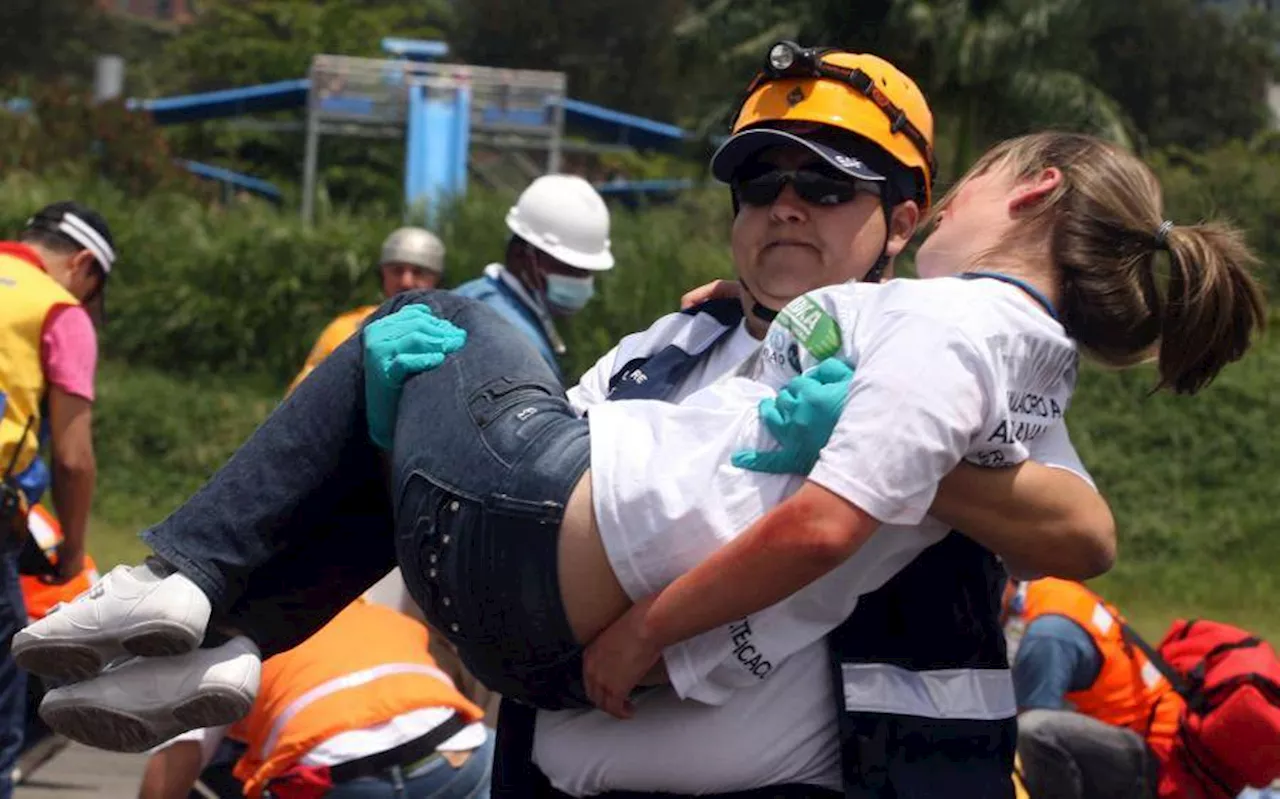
column 1107, row 233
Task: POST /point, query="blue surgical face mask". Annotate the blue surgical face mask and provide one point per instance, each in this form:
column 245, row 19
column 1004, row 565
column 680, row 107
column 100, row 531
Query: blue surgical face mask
column 569, row 294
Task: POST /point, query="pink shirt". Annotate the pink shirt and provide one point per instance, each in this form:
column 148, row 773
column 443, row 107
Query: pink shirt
column 69, row 351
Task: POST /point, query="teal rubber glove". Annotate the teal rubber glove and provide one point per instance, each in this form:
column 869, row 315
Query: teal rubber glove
column 801, row 418
column 397, row 347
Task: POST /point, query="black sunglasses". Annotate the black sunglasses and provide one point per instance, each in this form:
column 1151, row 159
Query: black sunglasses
column 814, row 185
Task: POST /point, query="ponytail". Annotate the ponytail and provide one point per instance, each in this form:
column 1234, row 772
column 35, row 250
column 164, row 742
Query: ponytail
column 1211, row 307
column 1134, row 288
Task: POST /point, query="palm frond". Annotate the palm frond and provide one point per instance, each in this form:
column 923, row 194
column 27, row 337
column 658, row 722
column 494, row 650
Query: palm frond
column 1065, row 100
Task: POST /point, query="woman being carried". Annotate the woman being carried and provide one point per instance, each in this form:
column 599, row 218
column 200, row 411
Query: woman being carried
column 510, row 511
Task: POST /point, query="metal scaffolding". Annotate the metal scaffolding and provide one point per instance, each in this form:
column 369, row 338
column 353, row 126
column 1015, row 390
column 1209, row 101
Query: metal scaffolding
column 454, row 119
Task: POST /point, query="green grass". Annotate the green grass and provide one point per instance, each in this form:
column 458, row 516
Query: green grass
column 158, row 438
column 1193, row 482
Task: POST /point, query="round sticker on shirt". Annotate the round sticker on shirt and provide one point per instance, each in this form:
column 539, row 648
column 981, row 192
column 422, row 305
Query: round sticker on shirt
column 813, row 327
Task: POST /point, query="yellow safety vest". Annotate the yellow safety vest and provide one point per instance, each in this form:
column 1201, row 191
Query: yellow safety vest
column 338, row 331
column 27, row 297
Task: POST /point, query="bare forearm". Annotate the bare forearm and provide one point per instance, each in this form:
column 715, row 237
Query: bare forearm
column 1038, row 519
column 794, row 544
column 74, row 468
column 172, row 772
column 73, row 486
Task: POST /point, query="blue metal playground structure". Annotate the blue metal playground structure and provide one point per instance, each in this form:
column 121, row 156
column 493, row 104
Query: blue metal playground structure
column 441, row 110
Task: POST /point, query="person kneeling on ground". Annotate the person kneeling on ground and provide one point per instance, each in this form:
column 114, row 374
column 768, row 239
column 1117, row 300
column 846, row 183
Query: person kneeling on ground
column 360, row 709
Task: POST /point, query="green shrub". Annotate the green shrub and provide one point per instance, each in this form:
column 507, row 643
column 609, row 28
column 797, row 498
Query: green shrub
column 245, row 289
column 65, row 132
column 1239, row 182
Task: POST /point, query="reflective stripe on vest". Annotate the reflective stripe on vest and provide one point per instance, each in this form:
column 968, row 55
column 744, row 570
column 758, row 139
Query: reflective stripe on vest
column 343, row 683
column 926, row 701
column 975, row 694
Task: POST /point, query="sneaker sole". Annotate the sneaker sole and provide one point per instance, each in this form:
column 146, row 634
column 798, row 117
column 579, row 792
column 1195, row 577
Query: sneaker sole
column 74, row 659
column 120, row 730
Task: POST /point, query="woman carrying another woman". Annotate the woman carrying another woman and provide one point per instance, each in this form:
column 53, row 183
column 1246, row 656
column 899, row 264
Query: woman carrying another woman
column 509, row 509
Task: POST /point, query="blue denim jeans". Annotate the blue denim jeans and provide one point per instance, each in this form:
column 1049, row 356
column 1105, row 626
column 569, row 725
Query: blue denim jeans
column 300, row 520
column 438, row 780
column 13, row 681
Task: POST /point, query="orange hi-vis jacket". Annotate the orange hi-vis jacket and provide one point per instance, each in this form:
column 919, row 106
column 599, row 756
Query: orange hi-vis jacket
column 1129, row 691
column 28, row 297
column 338, row 331
column 368, row 665
column 39, row 596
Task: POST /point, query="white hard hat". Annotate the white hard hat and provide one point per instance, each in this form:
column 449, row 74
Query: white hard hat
column 414, row 245
column 563, row 216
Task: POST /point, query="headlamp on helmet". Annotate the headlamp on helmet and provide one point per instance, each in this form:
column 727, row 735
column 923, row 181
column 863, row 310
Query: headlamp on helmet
column 856, row 93
column 787, row 59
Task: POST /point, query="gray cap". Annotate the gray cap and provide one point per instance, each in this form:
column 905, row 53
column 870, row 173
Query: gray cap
column 414, row 245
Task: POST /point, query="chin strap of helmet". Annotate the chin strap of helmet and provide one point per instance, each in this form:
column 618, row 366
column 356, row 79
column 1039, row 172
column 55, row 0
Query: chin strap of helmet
column 758, row 310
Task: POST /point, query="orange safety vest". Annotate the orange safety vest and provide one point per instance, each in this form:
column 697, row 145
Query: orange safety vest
column 368, row 665
column 338, row 331
column 1129, row 691
column 39, row 596
column 27, row 296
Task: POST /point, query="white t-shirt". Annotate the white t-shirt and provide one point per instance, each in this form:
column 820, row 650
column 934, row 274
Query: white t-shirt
column 782, row 730
column 946, row 369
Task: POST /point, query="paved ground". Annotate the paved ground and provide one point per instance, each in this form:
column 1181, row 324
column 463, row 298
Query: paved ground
column 79, row 772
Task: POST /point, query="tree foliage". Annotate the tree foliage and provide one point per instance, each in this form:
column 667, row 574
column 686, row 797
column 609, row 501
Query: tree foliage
column 57, row 40
column 1151, row 73
column 615, row 52
column 243, row 42
column 1184, row 74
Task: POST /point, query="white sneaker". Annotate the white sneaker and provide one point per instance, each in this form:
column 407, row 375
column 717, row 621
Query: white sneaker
column 144, row 702
column 132, row 610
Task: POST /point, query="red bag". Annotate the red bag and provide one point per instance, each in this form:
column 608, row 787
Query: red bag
column 300, row 782
column 1229, row 738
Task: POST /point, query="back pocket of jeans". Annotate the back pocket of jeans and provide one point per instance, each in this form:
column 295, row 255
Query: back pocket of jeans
column 493, row 400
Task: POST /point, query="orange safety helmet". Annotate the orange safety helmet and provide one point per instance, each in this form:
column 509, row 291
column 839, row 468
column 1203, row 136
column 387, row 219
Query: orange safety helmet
column 858, row 93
